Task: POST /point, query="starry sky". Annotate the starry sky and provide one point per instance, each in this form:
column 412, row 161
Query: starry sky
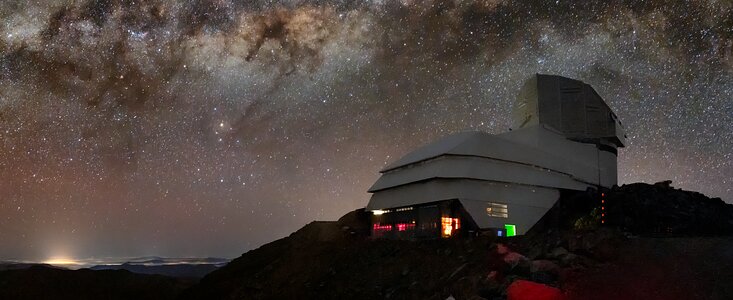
column 210, row 127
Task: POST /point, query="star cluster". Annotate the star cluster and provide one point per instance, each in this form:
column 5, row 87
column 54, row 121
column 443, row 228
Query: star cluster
column 208, row 127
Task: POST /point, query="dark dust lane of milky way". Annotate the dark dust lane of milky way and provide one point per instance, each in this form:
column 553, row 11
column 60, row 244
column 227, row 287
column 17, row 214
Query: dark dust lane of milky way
column 197, row 128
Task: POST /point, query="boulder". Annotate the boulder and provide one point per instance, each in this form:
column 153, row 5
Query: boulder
column 514, row 258
column 502, row 249
column 543, row 265
column 558, row 252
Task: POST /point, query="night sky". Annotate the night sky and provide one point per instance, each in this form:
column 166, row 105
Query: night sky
column 210, row 127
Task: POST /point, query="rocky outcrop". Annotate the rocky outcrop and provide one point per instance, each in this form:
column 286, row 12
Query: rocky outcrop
column 661, row 210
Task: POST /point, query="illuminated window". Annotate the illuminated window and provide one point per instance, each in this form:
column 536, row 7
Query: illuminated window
column 379, row 230
column 378, row 212
column 378, row 227
column 405, row 226
column 497, row 210
column 449, row 225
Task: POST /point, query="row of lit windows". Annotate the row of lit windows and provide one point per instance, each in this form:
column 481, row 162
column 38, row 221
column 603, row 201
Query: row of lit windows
column 498, row 210
column 405, row 226
column 377, row 212
column 448, row 226
column 378, row 227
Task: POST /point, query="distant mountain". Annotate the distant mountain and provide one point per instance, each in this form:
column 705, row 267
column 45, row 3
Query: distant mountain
column 157, row 261
column 173, row 270
column 43, row 282
column 11, row 265
column 174, row 267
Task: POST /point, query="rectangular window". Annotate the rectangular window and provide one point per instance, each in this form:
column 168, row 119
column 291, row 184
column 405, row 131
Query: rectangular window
column 449, row 225
column 497, row 210
column 511, row 229
column 405, row 226
column 379, row 230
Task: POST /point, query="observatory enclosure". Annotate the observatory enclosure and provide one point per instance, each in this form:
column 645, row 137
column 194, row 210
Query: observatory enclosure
column 565, row 138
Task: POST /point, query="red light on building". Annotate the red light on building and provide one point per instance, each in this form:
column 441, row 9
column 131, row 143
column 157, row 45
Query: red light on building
column 405, row 226
column 603, row 208
column 378, row 227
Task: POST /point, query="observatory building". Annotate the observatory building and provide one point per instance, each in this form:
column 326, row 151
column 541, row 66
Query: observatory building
column 564, row 138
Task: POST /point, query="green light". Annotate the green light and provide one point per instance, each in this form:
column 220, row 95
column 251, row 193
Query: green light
column 511, row 230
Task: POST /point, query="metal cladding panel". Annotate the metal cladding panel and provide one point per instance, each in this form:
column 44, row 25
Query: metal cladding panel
column 525, row 112
column 526, row 205
column 581, row 154
column 608, row 168
column 553, row 143
column 619, row 133
column 442, row 146
column 485, row 169
column 440, row 189
column 548, row 102
column 524, row 149
column 574, row 108
column 573, row 113
column 519, row 214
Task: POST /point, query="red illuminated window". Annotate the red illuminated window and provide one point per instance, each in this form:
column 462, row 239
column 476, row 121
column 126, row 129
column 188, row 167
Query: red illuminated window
column 378, row 227
column 405, row 226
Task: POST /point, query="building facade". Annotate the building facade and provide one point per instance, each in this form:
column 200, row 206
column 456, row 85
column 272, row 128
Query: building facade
column 565, row 137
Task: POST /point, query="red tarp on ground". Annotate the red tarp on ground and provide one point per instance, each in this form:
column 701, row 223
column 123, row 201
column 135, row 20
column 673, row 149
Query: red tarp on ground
column 527, row 290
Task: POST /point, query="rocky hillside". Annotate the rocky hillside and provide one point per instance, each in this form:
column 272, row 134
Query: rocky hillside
column 661, row 210
column 337, row 260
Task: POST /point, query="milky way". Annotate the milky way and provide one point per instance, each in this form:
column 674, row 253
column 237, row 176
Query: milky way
column 207, row 128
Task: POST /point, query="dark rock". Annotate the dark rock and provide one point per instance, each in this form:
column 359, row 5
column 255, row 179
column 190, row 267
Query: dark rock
column 661, row 210
column 544, row 277
column 558, row 252
column 514, row 258
column 544, row 266
column 457, row 270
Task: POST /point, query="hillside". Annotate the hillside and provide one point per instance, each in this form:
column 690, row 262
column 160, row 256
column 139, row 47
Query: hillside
column 43, row 282
column 653, row 226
